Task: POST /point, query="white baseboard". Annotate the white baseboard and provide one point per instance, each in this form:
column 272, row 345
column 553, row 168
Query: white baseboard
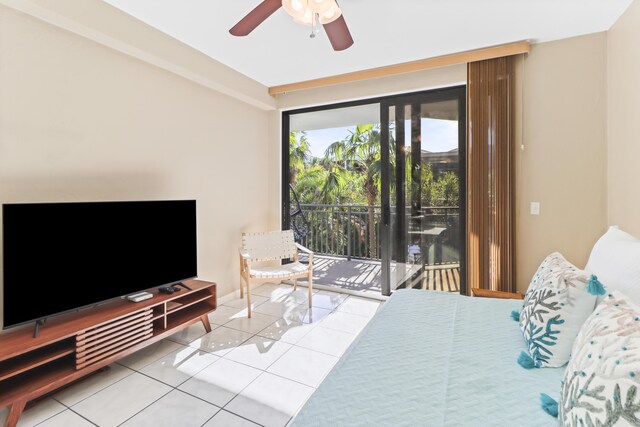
column 236, row 294
column 229, row 297
column 340, row 290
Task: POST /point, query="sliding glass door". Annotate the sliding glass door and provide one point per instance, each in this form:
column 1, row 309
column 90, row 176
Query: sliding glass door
column 422, row 194
column 376, row 189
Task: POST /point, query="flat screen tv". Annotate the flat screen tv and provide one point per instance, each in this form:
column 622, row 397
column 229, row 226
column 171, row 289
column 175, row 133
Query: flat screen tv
column 60, row 257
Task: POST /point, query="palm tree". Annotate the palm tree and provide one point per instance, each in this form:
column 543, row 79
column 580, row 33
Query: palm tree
column 360, row 152
column 299, row 154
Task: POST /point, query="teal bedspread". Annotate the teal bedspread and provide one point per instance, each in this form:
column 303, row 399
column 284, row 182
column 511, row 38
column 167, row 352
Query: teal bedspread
column 434, row 359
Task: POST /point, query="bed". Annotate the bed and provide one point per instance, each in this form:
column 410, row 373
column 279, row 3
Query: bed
column 434, row 359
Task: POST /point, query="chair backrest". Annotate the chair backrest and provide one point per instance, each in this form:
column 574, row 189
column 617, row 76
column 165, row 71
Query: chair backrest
column 269, row 246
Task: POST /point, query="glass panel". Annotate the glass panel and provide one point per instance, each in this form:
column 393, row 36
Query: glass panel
column 440, row 182
column 334, row 173
column 424, row 196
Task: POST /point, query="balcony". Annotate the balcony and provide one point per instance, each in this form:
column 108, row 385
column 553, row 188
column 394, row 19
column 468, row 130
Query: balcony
column 340, row 235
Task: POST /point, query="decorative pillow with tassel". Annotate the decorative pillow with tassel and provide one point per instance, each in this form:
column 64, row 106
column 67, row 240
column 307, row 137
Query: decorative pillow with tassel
column 600, row 386
column 559, row 299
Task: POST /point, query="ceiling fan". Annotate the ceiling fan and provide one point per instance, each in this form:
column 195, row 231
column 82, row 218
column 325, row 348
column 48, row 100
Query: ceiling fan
column 307, row 12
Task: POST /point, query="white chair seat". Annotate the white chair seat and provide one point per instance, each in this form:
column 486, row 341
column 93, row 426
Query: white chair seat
column 285, row 270
column 272, row 246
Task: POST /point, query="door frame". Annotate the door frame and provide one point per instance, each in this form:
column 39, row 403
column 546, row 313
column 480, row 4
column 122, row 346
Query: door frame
column 458, row 93
column 385, row 101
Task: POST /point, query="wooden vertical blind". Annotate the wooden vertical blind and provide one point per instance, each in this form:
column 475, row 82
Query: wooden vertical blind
column 490, row 175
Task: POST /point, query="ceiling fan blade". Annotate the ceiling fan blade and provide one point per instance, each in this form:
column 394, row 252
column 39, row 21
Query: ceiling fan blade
column 339, row 34
column 256, row 17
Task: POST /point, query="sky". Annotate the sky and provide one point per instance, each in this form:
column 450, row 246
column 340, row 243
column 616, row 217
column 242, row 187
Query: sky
column 437, row 136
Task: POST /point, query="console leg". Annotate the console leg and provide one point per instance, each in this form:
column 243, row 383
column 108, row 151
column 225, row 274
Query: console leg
column 205, row 322
column 15, row 410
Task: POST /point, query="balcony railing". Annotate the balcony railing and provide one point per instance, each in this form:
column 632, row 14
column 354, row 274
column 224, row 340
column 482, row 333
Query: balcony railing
column 344, row 230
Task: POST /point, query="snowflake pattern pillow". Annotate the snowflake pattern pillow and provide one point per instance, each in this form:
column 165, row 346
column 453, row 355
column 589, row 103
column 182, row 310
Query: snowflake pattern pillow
column 555, row 306
column 600, row 386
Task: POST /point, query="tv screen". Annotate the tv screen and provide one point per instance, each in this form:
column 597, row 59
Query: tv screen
column 64, row 256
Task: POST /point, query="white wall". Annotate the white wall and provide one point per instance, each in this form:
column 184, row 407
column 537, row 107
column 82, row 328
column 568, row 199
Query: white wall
column 623, row 121
column 560, row 119
column 80, row 121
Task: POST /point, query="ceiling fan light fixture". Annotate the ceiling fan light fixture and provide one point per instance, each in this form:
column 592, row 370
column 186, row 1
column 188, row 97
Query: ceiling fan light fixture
column 321, row 6
column 331, row 15
column 314, row 13
column 307, row 18
column 295, row 8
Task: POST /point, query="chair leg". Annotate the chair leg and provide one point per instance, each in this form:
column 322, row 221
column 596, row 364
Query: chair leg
column 248, row 299
column 241, row 287
column 295, row 284
column 310, row 289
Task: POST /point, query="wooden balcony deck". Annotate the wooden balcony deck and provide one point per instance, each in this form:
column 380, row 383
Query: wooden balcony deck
column 365, row 276
column 438, row 278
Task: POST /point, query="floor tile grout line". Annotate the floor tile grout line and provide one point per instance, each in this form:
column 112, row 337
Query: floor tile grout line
column 239, row 393
column 220, row 408
column 211, row 417
column 286, row 342
column 262, row 371
column 243, row 417
column 234, row 347
column 155, row 360
column 341, row 330
column 224, row 407
column 245, row 364
column 176, row 387
column 265, row 370
column 170, row 391
column 48, row 418
column 249, row 332
column 83, row 417
column 133, row 371
column 185, row 392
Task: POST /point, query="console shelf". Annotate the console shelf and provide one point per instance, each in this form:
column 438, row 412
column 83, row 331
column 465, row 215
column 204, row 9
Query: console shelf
column 74, row 345
column 33, row 359
column 178, row 317
column 188, row 301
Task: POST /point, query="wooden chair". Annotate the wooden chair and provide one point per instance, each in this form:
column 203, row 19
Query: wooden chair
column 272, row 246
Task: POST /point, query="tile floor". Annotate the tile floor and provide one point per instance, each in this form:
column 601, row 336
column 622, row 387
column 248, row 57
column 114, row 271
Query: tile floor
column 246, row 372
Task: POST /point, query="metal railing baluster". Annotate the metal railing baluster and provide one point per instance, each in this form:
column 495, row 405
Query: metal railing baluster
column 328, row 233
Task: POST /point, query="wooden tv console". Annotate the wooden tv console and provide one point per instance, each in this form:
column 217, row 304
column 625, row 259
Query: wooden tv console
column 73, row 345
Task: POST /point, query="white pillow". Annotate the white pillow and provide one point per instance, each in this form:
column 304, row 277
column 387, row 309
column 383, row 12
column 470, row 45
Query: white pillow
column 600, row 386
column 555, row 306
column 615, row 260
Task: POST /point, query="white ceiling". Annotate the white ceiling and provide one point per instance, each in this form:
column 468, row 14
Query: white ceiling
column 385, row 31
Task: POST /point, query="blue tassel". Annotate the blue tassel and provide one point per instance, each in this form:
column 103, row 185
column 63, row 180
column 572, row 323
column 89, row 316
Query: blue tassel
column 526, row 361
column 549, row 405
column 515, row 315
column 595, row 287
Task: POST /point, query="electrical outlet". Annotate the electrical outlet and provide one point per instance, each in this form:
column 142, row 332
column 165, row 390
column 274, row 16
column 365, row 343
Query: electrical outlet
column 535, row 208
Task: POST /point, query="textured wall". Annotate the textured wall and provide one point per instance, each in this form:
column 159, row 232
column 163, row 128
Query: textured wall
column 623, row 120
column 79, row 121
column 562, row 123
